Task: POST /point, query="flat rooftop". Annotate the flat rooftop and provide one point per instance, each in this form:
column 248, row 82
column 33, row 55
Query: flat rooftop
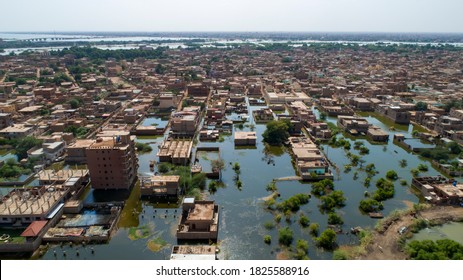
column 245, row 135
column 202, row 212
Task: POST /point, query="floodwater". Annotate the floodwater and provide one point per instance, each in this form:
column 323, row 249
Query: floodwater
column 242, row 210
column 446, row 231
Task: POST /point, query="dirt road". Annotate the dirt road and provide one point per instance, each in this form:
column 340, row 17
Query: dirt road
column 385, row 245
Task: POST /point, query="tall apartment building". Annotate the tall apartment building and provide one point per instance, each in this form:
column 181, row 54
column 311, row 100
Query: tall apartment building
column 112, row 162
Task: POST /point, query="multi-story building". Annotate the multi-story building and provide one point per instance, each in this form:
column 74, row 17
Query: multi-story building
column 112, row 162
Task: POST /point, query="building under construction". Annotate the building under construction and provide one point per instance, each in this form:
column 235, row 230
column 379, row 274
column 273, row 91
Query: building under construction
column 176, row 151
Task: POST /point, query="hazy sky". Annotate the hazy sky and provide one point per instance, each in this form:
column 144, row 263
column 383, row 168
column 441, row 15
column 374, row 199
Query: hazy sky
column 233, row 15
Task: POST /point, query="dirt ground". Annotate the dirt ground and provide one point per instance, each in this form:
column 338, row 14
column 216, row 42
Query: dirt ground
column 384, row 245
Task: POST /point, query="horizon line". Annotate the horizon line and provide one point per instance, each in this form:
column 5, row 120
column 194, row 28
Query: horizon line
column 248, row 32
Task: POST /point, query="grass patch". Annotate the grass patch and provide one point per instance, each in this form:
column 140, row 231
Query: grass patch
column 156, row 244
column 136, row 233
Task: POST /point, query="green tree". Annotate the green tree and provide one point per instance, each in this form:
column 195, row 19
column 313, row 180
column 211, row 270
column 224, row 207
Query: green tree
column 267, row 239
column 334, row 219
column 454, row 148
column 314, row 229
column 304, row 220
column 421, row 106
column 277, row 132
column 370, row 205
column 392, row 175
column 327, row 239
column 25, row 144
column 302, row 249
column 285, row 236
column 75, row 103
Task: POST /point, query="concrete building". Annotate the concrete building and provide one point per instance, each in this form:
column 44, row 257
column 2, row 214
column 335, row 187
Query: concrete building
column 17, row 131
column 160, row 186
column 200, row 220
column 377, row 134
column 439, row 190
column 75, row 152
column 112, row 162
column 175, row 151
column 353, row 125
column 185, row 123
column 5, row 120
column 245, row 138
column 23, row 206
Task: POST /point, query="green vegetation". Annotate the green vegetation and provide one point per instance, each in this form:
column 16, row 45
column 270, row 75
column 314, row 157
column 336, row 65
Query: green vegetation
column 334, row 219
column 332, row 200
column 236, row 167
column 341, row 142
column 56, row 80
column 285, row 236
column 103, row 54
column 445, row 249
column 364, row 150
column 327, row 239
column 140, row 232
column 293, row 203
column 269, row 225
column 302, row 249
column 218, row 165
column 164, row 167
column 12, row 169
column 22, row 145
column 421, row 106
column 75, row 103
column 370, row 205
column 314, row 229
column 403, row 163
column 422, row 167
column 304, row 220
column 277, row 132
column 267, row 239
column 322, row 187
column 212, row 186
column 143, row 147
column 385, row 190
column 77, row 131
column 392, row 175
column 340, row 255
column 156, row 244
column 415, row 172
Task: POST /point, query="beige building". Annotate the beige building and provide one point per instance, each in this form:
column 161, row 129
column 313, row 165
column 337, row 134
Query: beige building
column 200, row 220
column 112, row 162
column 245, row 138
column 160, row 186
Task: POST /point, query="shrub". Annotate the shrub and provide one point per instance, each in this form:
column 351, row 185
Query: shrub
column 269, row 225
column 304, row 221
column 285, row 236
column 327, row 239
column 267, row 239
column 392, row 175
column 334, row 219
column 314, row 229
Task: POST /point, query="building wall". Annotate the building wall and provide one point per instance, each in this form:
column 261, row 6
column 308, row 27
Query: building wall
column 112, row 168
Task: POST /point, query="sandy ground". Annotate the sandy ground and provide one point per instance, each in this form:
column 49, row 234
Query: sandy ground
column 384, row 245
